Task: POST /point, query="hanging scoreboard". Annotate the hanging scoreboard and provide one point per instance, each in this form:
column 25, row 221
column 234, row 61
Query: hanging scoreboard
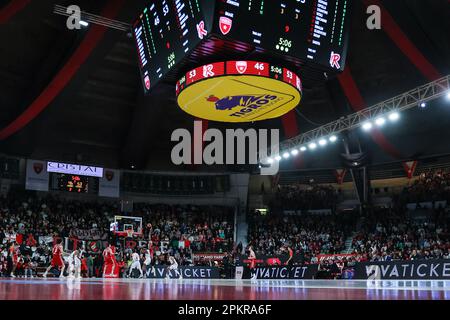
column 314, row 31
column 311, row 32
column 165, row 32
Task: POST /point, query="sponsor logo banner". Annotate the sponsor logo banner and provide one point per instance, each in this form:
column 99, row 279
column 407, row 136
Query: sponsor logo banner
column 209, row 256
column 244, row 91
column 109, row 185
column 68, row 168
column 187, row 272
column 404, row 270
column 297, row 272
column 36, row 176
column 90, row 234
column 322, row 257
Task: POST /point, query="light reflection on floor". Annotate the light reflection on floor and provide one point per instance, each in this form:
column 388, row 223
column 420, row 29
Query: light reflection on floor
column 161, row 289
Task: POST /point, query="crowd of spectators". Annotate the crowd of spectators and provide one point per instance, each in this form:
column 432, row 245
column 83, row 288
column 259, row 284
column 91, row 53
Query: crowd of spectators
column 33, row 223
column 388, row 235
column 430, row 186
column 307, row 235
column 304, row 197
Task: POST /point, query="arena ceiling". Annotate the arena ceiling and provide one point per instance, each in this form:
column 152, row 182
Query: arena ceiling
column 102, row 117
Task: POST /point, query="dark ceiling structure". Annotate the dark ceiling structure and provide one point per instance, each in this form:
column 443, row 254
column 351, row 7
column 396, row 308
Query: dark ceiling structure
column 76, row 96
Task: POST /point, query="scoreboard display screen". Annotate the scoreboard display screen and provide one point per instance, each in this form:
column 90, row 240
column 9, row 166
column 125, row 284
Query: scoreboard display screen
column 73, row 183
column 165, row 32
column 312, row 30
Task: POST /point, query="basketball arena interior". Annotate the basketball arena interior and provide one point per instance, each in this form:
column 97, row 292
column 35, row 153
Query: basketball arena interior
column 224, row 150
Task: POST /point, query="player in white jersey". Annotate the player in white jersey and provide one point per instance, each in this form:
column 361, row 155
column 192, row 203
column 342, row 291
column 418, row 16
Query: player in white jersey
column 75, row 265
column 173, row 266
column 148, row 253
column 136, row 264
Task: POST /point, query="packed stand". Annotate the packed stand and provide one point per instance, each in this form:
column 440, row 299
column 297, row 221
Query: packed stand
column 389, row 234
column 430, row 186
column 33, row 223
column 308, row 235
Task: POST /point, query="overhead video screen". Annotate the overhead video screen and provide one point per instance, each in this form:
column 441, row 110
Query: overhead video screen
column 165, row 32
column 312, row 30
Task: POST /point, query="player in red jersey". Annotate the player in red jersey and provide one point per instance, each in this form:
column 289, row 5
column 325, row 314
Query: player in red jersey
column 14, row 254
column 57, row 259
column 109, row 259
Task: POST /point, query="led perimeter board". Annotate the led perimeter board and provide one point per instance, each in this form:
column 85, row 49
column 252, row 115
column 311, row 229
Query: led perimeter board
column 305, row 32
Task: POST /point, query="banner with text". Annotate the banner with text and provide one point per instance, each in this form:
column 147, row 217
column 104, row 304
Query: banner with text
column 295, row 272
column 187, row 272
column 74, row 169
column 404, row 270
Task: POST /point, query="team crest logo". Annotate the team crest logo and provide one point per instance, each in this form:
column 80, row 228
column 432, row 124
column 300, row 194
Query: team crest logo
column 38, row 167
column 225, row 25
column 334, row 60
column 241, row 66
column 147, row 82
column 109, row 175
column 231, row 102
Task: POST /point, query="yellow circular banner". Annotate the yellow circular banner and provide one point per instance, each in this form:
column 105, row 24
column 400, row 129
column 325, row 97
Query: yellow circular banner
column 238, row 98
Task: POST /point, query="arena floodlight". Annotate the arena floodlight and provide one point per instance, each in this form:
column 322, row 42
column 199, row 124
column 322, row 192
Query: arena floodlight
column 322, row 142
column 270, row 160
column 303, row 149
column 294, row 152
column 422, row 105
column 84, row 23
column 286, row 155
column 394, row 116
column 380, row 122
column 367, row 126
column 312, row 146
column 278, row 158
column 448, row 96
column 333, row 139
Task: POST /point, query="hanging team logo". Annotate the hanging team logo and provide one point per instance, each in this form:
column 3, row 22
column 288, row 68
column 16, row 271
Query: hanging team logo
column 225, row 25
column 231, row 102
column 201, row 31
column 38, row 167
column 147, row 82
column 334, row 60
column 109, row 175
column 241, row 66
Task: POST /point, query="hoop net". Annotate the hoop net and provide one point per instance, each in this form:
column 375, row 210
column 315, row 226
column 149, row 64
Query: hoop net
column 130, row 233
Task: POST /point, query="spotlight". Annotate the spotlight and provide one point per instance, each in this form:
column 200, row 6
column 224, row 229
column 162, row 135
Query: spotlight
column 380, row 122
column 278, row 158
column 294, row 152
column 394, row 116
column 84, row 23
column 423, row 105
column 448, row 95
column 270, row 160
column 312, row 146
column 303, row 149
column 367, row 126
column 323, row 142
column 333, row 139
column 286, row 155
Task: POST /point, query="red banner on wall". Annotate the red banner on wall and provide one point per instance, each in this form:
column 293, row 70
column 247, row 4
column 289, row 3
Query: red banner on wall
column 410, row 168
column 340, row 175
